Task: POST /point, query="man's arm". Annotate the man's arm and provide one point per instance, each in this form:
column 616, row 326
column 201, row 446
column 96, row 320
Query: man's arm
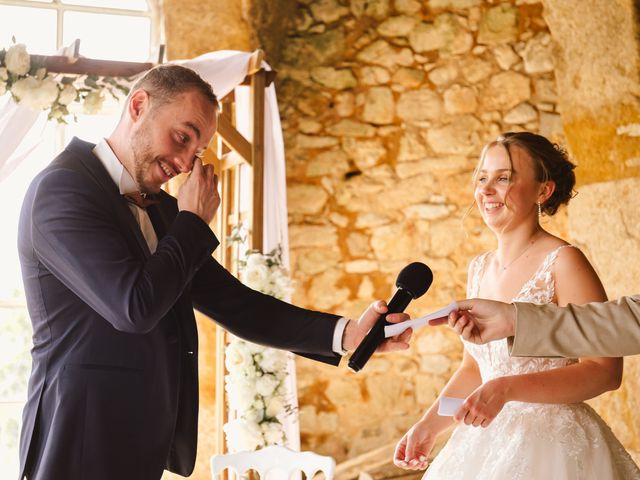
column 610, row 329
column 268, row 321
column 77, row 236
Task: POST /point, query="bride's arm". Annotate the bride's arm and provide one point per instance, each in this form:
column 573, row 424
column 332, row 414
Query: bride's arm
column 576, row 282
column 416, row 444
column 413, row 448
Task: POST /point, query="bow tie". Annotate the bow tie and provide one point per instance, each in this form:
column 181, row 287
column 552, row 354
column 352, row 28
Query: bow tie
column 142, row 200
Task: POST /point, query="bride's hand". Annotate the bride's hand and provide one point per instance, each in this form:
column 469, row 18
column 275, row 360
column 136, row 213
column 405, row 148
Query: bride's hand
column 484, row 404
column 413, row 449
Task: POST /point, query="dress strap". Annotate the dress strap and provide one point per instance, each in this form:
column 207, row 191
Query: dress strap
column 542, row 282
column 550, row 259
column 477, row 269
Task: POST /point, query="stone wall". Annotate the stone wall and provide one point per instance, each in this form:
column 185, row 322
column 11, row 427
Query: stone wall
column 385, row 107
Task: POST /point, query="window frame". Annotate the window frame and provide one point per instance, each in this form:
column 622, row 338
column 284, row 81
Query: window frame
column 153, row 12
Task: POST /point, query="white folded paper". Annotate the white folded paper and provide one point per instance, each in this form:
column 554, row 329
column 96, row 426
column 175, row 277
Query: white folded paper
column 448, row 406
column 398, row 328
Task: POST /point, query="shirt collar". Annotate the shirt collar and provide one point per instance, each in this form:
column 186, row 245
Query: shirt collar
column 117, row 172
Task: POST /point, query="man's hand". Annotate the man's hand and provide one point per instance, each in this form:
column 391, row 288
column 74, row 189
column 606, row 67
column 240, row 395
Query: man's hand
column 355, row 332
column 480, row 321
column 199, row 193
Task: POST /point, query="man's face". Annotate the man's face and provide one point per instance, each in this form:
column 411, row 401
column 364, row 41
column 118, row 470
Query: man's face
column 167, row 138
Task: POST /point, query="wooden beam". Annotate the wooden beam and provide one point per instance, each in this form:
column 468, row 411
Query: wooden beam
column 234, row 139
column 270, row 76
column 90, row 66
column 221, row 401
column 257, row 155
column 230, row 160
column 255, row 62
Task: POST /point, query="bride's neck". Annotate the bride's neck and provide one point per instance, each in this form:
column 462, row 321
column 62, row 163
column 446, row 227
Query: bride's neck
column 511, row 243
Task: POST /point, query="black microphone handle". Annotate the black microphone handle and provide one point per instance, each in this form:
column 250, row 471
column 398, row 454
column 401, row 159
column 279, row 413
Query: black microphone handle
column 375, row 337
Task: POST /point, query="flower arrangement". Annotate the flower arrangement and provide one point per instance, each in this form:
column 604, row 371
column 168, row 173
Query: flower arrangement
column 29, row 84
column 255, row 384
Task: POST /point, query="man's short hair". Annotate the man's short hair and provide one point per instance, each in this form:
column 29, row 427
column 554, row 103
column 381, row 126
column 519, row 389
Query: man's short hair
column 164, row 82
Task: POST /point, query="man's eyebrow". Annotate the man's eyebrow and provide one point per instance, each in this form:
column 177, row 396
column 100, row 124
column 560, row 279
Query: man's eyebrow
column 194, row 128
column 498, row 170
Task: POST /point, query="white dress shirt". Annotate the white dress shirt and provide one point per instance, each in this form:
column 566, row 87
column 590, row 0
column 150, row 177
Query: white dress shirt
column 126, row 184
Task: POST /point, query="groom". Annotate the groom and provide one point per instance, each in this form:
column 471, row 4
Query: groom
column 113, row 267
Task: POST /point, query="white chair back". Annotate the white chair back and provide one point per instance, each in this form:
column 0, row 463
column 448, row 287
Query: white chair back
column 274, row 458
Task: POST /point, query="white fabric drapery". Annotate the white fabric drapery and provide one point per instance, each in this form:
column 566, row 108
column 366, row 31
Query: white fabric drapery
column 224, row 70
column 16, row 121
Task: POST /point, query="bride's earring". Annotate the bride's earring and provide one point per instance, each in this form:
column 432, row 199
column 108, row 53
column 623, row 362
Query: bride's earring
column 539, row 211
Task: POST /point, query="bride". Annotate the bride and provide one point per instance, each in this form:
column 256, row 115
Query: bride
column 524, row 418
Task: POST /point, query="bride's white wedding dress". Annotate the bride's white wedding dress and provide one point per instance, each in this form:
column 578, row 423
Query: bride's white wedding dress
column 530, row 441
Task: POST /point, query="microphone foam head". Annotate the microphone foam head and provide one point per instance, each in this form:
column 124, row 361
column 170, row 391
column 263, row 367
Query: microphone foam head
column 416, row 278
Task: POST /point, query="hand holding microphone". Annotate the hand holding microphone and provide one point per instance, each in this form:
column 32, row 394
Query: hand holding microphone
column 412, row 282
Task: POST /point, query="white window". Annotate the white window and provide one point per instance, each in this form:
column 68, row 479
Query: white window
column 128, row 31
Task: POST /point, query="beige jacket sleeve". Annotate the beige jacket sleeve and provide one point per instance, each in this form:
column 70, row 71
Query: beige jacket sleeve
column 610, row 329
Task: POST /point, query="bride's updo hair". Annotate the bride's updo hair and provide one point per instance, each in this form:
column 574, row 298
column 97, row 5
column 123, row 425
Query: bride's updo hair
column 550, row 163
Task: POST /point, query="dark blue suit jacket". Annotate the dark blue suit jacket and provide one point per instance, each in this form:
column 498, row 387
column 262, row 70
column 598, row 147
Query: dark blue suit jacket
column 113, row 392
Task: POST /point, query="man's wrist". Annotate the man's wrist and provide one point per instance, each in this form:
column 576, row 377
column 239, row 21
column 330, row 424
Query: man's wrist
column 348, row 336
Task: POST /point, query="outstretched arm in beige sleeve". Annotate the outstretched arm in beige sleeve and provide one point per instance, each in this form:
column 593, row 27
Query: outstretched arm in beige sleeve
column 609, row 329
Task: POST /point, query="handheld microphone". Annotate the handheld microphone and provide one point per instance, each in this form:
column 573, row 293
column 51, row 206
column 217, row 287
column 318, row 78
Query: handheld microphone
column 413, row 281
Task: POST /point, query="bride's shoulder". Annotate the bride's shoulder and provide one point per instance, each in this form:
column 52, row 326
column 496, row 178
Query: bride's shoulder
column 576, row 281
column 568, row 260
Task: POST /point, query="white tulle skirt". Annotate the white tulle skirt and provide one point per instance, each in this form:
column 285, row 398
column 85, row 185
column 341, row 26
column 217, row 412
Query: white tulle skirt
column 535, row 442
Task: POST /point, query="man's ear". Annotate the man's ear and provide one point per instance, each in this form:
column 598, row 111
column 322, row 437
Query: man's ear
column 546, row 190
column 138, row 104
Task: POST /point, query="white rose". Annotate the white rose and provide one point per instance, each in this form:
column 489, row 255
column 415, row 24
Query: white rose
column 275, row 406
column 255, row 415
column 3, row 88
column 258, row 404
column 34, row 93
column 273, row 433
column 273, row 360
column 237, row 357
column 242, row 393
column 243, row 435
column 67, row 95
column 18, row 60
column 93, row 102
column 255, row 349
column 4, row 75
column 255, row 259
column 256, row 277
column 266, row 384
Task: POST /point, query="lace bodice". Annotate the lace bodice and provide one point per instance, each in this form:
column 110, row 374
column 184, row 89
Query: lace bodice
column 493, row 358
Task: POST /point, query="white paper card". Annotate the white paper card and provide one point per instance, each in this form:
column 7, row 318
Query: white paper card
column 398, row 328
column 448, row 406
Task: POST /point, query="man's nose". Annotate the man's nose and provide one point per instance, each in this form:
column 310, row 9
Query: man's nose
column 184, row 162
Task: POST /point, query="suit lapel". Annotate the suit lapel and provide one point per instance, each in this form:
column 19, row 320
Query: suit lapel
column 83, row 151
